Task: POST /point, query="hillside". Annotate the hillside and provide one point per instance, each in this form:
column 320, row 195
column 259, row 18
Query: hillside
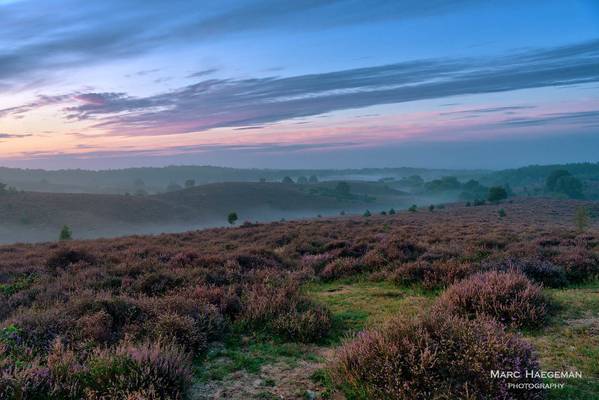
column 153, row 180
column 33, row 216
column 269, row 310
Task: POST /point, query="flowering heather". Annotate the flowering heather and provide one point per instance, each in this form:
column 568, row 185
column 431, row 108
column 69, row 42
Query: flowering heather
column 188, row 289
column 434, row 357
column 508, row 297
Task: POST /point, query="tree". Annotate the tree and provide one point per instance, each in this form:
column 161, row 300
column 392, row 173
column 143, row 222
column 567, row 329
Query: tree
column 444, row 184
column 581, row 218
column 496, row 194
column 561, row 181
column 551, row 182
column 570, row 186
column 190, row 183
column 413, row 208
column 2, row 187
column 391, row 211
column 302, row 180
column 313, row 179
column 287, row 180
column 65, row 233
column 367, row 213
column 431, row 208
column 343, row 189
column 232, row 218
column 501, row 213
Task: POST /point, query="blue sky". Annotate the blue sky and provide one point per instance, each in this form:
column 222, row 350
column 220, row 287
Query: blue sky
column 308, row 83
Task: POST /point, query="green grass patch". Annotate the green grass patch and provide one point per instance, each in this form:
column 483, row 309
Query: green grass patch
column 571, row 340
column 243, row 354
column 359, row 304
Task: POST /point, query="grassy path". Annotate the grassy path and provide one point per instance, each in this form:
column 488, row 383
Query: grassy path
column 263, row 368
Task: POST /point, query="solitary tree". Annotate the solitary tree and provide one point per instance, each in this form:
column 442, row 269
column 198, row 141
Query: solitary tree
column 367, row 213
column 232, row 218
column 431, row 208
column 392, row 211
column 190, row 183
column 65, row 233
column 581, row 218
column 413, row 208
column 496, row 194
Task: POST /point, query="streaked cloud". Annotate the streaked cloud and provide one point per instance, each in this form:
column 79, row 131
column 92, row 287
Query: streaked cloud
column 216, row 103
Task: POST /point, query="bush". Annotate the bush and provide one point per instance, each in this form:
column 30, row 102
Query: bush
column 580, row 264
column 340, row 267
column 180, row 329
column 157, row 368
column 508, row 297
column 65, row 257
column 282, row 310
column 537, row 270
column 308, row 325
column 434, row 357
column 434, row 275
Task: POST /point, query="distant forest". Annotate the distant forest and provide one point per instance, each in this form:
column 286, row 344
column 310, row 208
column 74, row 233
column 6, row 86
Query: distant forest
column 526, row 180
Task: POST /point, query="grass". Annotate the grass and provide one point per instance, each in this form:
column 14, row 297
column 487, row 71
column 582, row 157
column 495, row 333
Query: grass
column 567, row 343
column 249, row 355
column 571, row 340
column 359, row 304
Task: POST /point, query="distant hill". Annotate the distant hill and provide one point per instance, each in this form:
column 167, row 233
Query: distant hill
column 34, row 216
column 154, row 180
column 536, row 174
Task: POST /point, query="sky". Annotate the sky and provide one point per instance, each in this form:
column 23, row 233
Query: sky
column 298, row 84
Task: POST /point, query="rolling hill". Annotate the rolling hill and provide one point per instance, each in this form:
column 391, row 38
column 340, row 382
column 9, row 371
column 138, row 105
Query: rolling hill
column 35, row 216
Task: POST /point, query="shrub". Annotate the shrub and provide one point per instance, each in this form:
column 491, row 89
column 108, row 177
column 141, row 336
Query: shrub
column 340, row 267
column 434, row 357
column 65, row 257
column 508, row 297
column 158, row 368
column 96, row 326
column 282, row 310
column 538, row 270
column 581, row 219
column 156, row 283
column 180, row 329
column 309, row 324
column 433, row 275
column 579, row 263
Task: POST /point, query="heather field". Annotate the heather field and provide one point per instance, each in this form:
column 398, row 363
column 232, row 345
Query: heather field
column 412, row 305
